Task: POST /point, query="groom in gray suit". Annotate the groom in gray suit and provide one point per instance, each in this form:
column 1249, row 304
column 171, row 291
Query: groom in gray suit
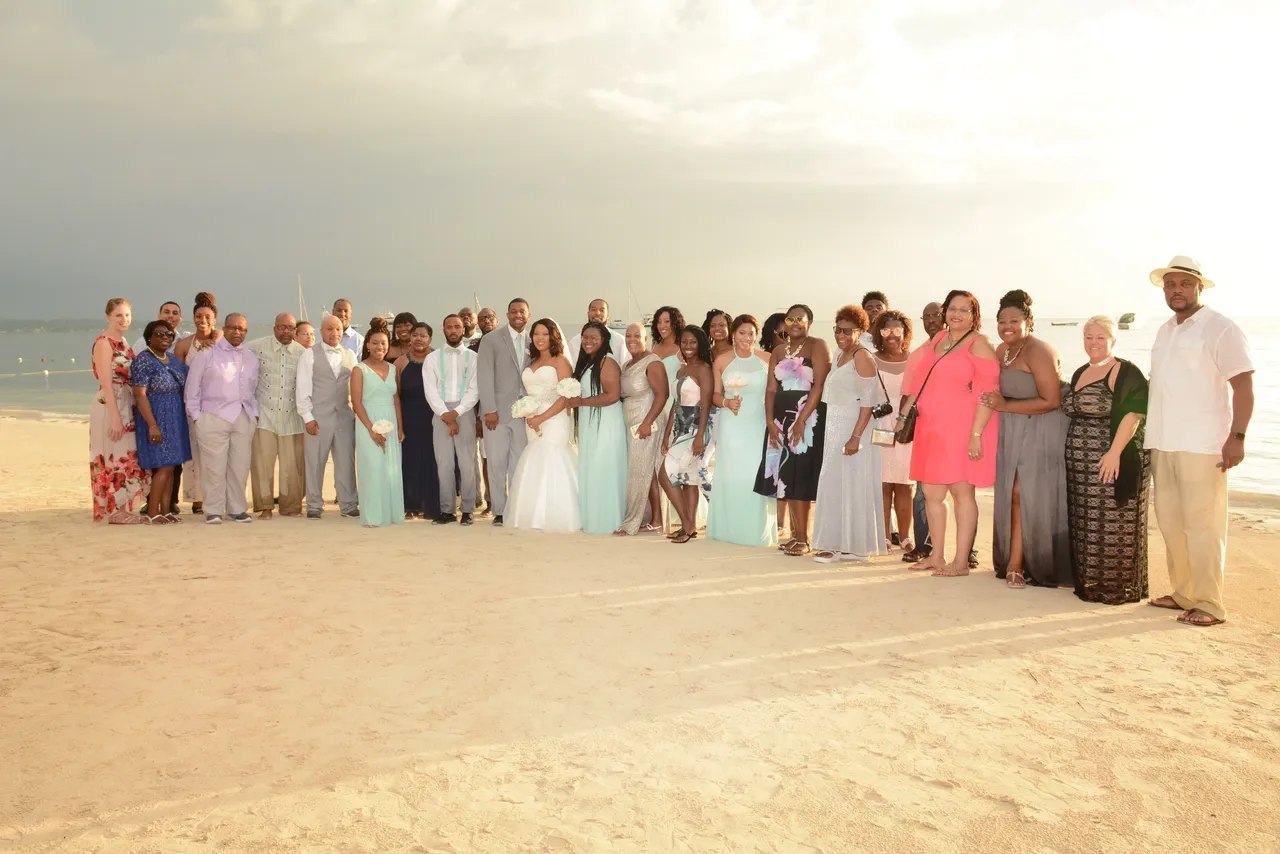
column 504, row 354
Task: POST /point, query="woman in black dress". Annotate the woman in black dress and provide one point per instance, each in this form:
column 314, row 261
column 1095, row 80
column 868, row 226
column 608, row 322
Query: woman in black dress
column 418, row 456
column 1107, row 472
column 792, row 456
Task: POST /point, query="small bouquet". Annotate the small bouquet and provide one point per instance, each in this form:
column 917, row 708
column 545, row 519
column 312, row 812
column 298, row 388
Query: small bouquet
column 569, row 387
column 735, row 383
column 524, row 407
column 382, row 427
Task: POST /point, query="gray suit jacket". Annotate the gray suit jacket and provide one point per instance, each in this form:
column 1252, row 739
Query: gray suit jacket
column 500, row 372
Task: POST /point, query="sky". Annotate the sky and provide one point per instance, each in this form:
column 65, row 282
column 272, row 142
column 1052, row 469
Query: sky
column 728, row 153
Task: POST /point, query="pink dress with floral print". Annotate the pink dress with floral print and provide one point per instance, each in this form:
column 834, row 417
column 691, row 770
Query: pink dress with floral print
column 117, row 481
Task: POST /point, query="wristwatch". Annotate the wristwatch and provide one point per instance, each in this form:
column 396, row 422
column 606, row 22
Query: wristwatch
column 1239, row 436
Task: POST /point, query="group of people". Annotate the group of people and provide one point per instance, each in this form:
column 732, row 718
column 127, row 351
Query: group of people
column 758, row 434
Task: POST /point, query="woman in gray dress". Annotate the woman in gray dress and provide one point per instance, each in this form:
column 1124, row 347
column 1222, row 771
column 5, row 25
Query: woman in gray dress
column 644, row 400
column 1032, row 542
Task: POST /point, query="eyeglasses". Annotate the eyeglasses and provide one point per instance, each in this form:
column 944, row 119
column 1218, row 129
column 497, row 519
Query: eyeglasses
column 843, row 330
column 288, row 328
column 958, row 310
column 162, row 333
column 795, row 321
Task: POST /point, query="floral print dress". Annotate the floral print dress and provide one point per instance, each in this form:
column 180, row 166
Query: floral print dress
column 791, row 472
column 117, row 480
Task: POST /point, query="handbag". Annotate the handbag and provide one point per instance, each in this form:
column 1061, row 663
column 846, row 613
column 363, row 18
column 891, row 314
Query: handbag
column 884, row 438
column 907, row 431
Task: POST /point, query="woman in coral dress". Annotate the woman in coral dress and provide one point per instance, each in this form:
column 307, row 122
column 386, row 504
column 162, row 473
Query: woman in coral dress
column 954, row 450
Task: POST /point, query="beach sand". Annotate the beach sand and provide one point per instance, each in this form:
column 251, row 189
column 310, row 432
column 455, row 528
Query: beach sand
column 299, row 686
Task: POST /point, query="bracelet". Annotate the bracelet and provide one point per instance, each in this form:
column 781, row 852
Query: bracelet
column 975, row 435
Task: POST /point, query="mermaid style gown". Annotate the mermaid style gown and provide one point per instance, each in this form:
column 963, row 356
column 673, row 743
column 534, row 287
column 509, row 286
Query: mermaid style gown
column 544, row 490
column 737, row 513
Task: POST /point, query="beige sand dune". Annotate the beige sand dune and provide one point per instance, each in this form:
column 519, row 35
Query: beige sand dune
column 299, row 686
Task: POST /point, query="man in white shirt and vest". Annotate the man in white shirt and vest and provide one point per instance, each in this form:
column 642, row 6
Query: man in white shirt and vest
column 278, row 438
column 598, row 312
column 324, row 405
column 1201, row 400
column 449, row 381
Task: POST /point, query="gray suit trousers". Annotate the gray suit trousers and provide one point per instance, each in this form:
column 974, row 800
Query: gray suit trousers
column 337, row 437
column 461, row 447
column 503, row 447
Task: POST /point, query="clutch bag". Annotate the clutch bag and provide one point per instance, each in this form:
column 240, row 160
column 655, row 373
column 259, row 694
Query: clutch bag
column 884, row 438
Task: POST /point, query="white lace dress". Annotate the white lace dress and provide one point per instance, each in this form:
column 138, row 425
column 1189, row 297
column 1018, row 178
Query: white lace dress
column 544, row 490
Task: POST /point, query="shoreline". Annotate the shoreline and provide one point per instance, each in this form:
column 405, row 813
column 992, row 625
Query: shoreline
column 1237, row 499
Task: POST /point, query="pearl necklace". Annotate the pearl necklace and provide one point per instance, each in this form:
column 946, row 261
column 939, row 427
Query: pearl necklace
column 1104, row 362
column 791, row 355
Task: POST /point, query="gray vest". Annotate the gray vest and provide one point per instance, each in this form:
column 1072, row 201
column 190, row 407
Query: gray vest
column 330, row 395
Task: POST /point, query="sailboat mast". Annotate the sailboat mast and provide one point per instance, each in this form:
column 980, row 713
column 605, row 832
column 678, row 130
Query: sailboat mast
column 302, row 303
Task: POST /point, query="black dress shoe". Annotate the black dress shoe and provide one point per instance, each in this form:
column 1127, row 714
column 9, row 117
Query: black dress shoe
column 444, row 519
column 497, row 521
column 466, row 518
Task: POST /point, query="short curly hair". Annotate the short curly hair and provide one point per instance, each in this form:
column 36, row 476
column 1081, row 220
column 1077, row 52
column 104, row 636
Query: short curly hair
column 853, row 314
column 886, row 317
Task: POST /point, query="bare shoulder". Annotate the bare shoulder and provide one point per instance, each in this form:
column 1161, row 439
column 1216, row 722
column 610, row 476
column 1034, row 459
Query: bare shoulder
column 563, row 368
column 762, row 355
column 864, row 362
column 723, row 361
column 981, row 347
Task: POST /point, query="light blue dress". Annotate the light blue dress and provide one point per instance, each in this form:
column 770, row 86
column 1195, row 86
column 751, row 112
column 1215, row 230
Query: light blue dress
column 602, row 467
column 737, row 513
column 378, row 472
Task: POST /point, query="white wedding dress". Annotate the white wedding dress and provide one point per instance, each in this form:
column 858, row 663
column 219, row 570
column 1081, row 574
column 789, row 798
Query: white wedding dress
column 544, row 490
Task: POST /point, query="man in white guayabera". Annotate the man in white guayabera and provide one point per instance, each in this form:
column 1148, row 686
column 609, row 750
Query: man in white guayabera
column 1200, row 406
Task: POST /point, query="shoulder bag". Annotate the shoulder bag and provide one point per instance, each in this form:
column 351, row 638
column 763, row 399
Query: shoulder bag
column 907, row 431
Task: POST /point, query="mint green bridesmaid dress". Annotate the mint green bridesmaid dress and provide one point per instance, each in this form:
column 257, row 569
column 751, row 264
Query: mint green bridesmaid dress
column 602, row 468
column 737, row 513
column 379, row 479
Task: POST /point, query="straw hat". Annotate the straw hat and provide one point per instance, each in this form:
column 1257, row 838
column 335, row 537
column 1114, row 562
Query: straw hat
column 1180, row 264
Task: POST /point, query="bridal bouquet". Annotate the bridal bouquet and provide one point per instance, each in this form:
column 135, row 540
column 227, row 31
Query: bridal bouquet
column 524, row 407
column 383, row 427
column 735, row 383
column 569, row 387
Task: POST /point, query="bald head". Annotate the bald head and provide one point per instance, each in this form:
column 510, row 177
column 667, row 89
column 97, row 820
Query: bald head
column 331, row 330
column 285, row 328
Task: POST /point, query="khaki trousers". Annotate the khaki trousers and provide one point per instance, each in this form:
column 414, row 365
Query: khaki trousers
column 268, row 448
column 1191, row 510
column 224, row 462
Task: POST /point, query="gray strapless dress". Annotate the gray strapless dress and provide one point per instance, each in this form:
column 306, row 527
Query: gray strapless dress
column 1033, row 449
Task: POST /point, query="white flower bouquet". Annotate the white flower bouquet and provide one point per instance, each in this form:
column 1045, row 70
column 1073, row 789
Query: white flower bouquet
column 383, row 427
column 569, row 387
column 524, row 407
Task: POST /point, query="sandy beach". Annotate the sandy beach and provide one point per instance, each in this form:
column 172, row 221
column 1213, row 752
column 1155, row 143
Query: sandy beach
column 300, row 686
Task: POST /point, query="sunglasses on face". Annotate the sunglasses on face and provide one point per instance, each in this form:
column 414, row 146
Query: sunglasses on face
column 844, row 330
column 794, row 321
column 161, row 333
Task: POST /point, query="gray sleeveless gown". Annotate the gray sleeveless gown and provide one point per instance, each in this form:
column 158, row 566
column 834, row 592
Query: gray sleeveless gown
column 1033, row 448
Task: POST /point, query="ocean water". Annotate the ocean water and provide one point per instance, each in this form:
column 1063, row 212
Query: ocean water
column 69, row 387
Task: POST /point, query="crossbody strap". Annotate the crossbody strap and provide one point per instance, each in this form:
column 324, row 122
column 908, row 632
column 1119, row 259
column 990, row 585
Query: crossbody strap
column 920, row 390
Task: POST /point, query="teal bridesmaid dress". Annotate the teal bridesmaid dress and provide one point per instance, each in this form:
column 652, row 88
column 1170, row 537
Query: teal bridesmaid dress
column 738, row 514
column 602, row 468
column 378, row 473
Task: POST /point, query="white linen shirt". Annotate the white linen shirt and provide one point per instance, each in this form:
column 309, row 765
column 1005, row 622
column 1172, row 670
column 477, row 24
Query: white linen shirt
column 278, row 385
column 1189, row 406
column 449, row 374
column 617, row 341
column 353, row 341
column 306, row 371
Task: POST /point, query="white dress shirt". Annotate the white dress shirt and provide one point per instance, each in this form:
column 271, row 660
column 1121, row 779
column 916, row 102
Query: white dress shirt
column 448, row 376
column 353, row 341
column 617, row 341
column 520, row 341
column 1189, row 405
column 306, row 368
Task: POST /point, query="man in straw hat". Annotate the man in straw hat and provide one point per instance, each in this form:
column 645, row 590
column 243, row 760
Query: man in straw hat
column 1200, row 406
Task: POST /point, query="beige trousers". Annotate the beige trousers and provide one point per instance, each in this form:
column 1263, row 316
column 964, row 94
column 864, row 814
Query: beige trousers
column 224, row 462
column 268, row 448
column 1191, row 510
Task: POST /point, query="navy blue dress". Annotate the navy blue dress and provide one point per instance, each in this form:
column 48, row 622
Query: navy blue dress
column 164, row 384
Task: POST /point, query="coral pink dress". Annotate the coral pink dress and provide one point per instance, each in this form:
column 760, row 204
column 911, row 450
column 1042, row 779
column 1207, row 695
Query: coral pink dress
column 940, row 451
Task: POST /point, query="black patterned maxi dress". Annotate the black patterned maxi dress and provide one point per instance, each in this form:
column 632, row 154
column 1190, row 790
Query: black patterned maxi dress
column 1108, row 538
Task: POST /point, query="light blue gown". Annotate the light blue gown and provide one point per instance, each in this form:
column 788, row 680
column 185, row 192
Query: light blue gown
column 602, row 467
column 378, row 472
column 737, row 513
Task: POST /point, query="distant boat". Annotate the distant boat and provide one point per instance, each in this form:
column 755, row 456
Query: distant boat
column 1128, row 320
column 1064, row 323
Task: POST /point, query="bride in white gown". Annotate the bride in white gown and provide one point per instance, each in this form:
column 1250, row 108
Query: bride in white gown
column 544, row 490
